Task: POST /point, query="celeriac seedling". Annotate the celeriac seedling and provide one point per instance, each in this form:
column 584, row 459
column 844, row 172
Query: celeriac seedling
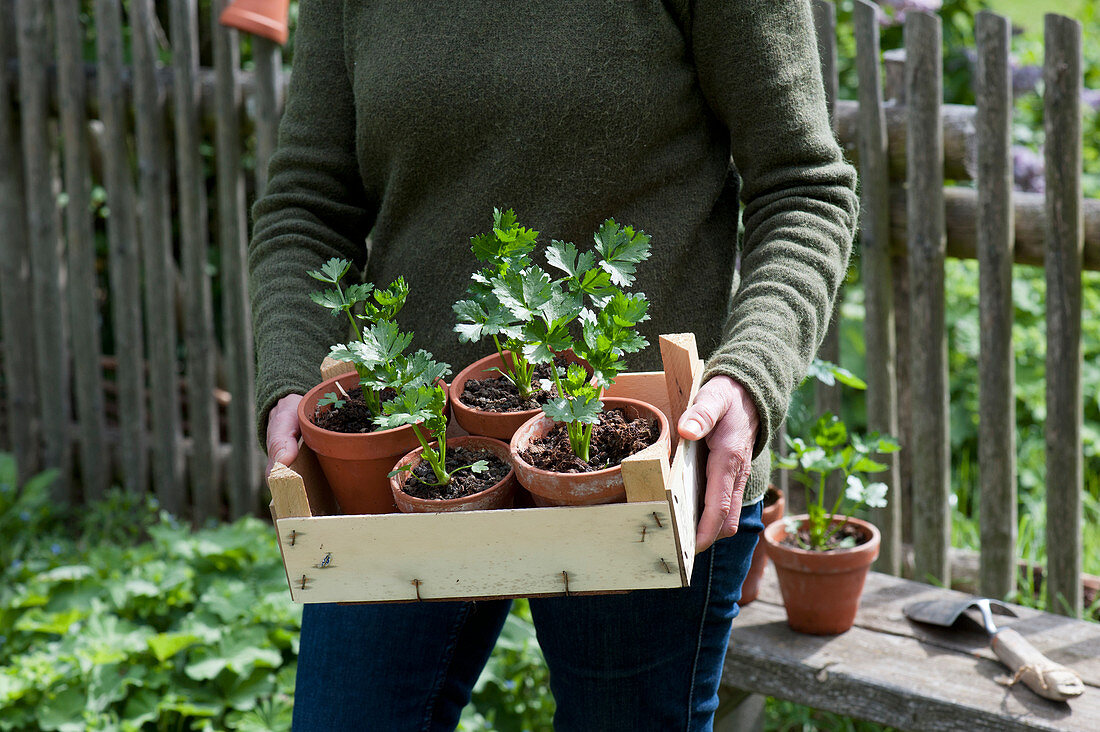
column 422, row 408
column 831, row 449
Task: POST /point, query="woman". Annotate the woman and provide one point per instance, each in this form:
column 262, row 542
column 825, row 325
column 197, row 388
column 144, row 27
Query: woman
column 411, row 121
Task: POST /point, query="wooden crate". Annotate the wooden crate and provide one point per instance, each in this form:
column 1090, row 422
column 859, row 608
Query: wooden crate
column 647, row 542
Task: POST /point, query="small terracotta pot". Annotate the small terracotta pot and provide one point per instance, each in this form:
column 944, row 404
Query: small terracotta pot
column 821, row 590
column 579, row 489
column 750, row 588
column 499, row 495
column 264, row 18
column 356, row 465
column 501, row 425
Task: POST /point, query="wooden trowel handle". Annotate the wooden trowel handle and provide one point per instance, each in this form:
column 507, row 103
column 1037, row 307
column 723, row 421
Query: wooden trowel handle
column 1043, row 676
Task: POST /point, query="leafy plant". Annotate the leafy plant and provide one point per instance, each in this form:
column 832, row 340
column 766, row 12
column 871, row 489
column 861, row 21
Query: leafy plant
column 423, row 407
column 584, row 310
column 505, row 251
column 378, row 351
column 829, row 449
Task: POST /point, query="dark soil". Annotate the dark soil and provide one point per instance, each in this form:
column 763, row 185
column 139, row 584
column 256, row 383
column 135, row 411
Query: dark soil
column 613, row 439
column 497, row 394
column 463, row 483
column 352, row 418
column 833, row 541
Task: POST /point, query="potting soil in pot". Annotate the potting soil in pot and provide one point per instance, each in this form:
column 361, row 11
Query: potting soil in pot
column 614, row 438
column 463, row 483
column 834, row 542
column 497, row 394
column 353, row 417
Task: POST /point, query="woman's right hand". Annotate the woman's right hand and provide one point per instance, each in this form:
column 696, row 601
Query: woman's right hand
column 283, row 431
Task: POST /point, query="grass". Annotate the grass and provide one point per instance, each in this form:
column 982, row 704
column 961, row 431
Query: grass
column 1028, row 14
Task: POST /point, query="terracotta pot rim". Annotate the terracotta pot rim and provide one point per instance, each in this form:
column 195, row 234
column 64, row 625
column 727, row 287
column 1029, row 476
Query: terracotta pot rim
column 773, row 533
column 609, row 403
column 414, row 458
column 464, row 376
column 305, row 422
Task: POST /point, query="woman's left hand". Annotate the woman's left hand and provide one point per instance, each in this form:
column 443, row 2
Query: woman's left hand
column 726, row 416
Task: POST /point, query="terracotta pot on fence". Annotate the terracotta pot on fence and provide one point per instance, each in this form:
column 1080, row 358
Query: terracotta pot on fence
column 775, row 503
column 579, row 489
column 499, row 495
column 356, row 465
column 264, row 18
column 821, row 590
column 501, row 425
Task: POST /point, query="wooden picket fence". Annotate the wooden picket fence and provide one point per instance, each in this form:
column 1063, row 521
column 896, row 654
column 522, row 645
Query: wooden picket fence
column 140, row 131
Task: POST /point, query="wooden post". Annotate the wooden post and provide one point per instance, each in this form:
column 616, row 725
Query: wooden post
column 827, row 398
column 997, row 427
column 95, row 463
column 268, row 57
column 47, row 251
column 878, row 323
column 199, row 333
column 1065, row 481
column 930, row 445
column 123, row 244
column 15, row 280
column 894, row 62
column 244, row 480
column 154, row 168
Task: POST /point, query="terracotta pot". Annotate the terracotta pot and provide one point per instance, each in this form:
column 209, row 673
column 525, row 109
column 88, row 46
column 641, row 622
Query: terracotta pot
column 821, row 590
column 499, row 495
column 356, row 465
column 264, row 18
column 578, row 489
column 501, row 425
column 750, row 588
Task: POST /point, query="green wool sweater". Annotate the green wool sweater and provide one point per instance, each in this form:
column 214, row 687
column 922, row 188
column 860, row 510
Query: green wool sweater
column 410, row 120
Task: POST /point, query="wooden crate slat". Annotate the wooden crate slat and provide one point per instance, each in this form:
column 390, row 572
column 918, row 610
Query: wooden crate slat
column 243, row 477
column 929, row 444
column 480, row 553
column 15, row 279
column 1062, row 69
column 124, row 251
column 47, row 251
column 199, row 333
column 997, row 400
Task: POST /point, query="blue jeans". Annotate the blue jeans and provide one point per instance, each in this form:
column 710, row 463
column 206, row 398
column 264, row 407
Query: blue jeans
column 645, row 660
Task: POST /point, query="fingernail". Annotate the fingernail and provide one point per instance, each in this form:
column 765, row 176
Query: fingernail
column 693, row 425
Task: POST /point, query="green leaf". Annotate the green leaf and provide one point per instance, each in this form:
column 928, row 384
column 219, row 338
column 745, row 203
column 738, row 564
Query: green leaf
column 332, row 270
column 621, row 248
column 830, row 431
column 166, row 645
column 329, row 299
column 585, row 411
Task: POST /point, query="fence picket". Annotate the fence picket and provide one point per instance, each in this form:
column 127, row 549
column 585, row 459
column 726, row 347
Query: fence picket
column 997, row 400
column 878, row 324
column 123, row 245
column 199, row 332
column 928, row 347
column 1062, row 70
column 232, row 235
column 52, row 366
column 15, row 280
column 827, row 398
column 154, row 167
column 95, row 464
column 268, row 58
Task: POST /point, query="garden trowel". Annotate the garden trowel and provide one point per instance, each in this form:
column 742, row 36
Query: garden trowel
column 1042, row 675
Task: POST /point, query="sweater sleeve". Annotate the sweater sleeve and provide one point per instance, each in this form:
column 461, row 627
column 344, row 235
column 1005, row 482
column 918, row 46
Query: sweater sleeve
column 314, row 208
column 758, row 67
